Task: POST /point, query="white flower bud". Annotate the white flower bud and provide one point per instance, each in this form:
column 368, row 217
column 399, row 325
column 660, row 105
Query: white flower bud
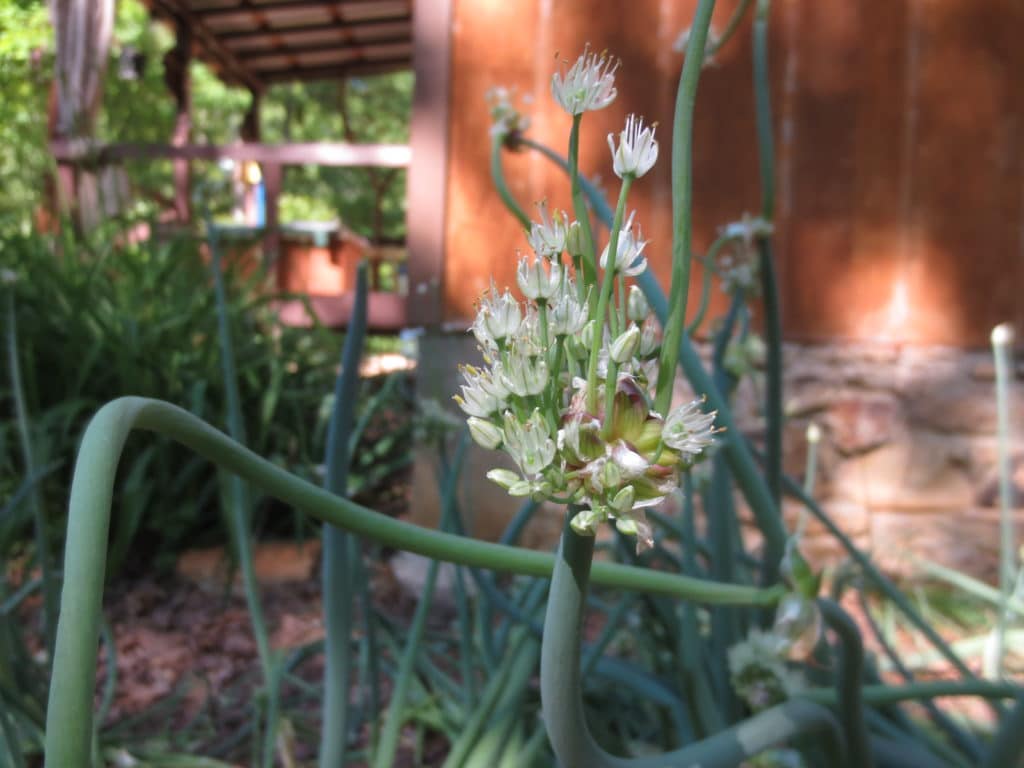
column 574, row 240
column 649, row 342
column 484, row 433
column 626, row 345
column 623, row 501
column 637, row 307
column 588, row 333
column 585, row 521
column 566, row 316
column 535, row 281
column 504, row 477
column 525, row 375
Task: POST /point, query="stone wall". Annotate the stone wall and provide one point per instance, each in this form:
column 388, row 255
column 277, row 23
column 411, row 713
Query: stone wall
column 906, row 465
column 907, row 461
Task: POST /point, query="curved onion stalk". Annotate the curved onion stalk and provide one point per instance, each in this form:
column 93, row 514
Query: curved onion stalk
column 562, row 698
column 501, row 184
column 336, row 569
column 69, row 713
column 715, row 45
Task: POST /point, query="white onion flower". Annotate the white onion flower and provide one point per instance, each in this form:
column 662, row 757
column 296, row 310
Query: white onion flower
column 529, row 444
column 566, row 315
column 548, row 236
column 689, row 430
column 637, row 151
column 498, row 318
column 588, row 85
column 629, row 250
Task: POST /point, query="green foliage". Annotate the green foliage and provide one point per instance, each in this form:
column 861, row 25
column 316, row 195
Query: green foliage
column 140, row 109
column 26, row 66
column 96, row 320
column 374, row 109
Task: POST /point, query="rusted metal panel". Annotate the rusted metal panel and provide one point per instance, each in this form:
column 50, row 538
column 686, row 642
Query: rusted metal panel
column 900, row 186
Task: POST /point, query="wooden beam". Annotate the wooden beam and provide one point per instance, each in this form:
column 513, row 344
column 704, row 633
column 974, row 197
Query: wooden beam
column 243, row 35
column 284, row 31
column 336, row 71
column 313, row 153
column 233, row 68
column 426, row 198
column 248, row 11
column 252, row 57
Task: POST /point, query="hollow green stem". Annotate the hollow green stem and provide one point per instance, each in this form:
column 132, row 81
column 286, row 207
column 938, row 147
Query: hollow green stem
column 607, row 283
column 769, row 283
column 337, row 566
column 579, row 207
column 880, row 695
column 714, row 46
column 849, row 682
column 1002, row 354
column 705, row 288
column 682, row 199
column 1008, row 744
column 239, row 497
column 501, row 184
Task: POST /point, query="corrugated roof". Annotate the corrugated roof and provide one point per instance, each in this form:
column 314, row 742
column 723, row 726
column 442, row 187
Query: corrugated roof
column 254, row 43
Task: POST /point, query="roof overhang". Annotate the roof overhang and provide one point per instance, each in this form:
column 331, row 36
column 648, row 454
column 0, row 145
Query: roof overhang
column 254, row 44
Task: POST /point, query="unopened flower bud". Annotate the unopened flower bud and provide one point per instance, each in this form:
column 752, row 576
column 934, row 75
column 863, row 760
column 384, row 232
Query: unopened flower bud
column 588, row 333
column 625, row 347
column 623, row 501
column 649, row 343
column 574, row 240
column 503, row 477
column 637, row 307
column 585, row 521
column 484, row 433
column 611, row 477
column 537, row 282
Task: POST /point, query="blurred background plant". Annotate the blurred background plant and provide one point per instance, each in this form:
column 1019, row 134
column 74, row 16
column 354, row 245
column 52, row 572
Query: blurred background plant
column 96, row 319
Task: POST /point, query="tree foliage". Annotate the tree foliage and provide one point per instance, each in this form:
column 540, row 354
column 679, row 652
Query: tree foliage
column 137, row 107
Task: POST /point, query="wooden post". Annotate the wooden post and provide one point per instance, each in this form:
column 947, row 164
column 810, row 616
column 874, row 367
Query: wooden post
column 272, row 178
column 427, row 182
column 176, row 76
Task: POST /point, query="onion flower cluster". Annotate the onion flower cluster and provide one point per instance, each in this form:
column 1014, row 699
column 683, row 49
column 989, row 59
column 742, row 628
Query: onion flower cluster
column 530, row 399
